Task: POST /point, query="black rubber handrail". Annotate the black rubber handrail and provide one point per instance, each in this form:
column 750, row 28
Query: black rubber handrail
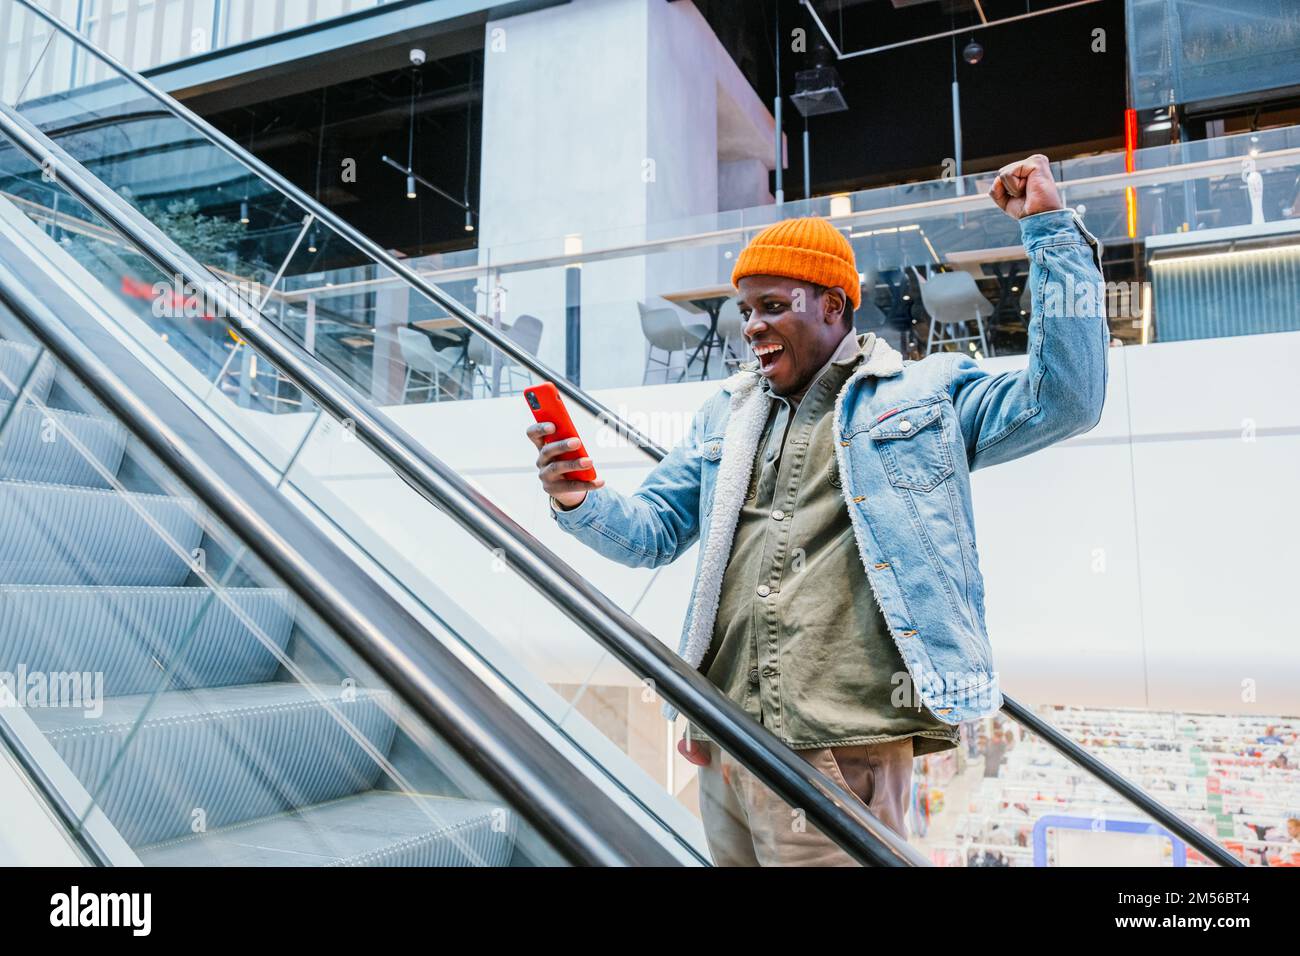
column 826, row 806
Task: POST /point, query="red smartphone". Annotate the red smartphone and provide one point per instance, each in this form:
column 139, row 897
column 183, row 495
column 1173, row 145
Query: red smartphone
column 547, row 406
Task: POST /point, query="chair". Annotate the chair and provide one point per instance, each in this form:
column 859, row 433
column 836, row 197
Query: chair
column 664, row 330
column 421, row 360
column 731, row 326
column 526, row 333
column 952, row 300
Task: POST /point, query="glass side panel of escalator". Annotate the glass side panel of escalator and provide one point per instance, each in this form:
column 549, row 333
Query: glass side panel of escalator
column 188, row 709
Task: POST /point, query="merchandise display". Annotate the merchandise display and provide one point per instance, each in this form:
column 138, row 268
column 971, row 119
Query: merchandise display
column 1017, row 802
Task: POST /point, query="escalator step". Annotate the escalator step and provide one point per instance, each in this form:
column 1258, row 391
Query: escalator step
column 15, row 363
column 221, row 756
column 138, row 637
column 376, row 828
column 55, row 534
column 63, row 451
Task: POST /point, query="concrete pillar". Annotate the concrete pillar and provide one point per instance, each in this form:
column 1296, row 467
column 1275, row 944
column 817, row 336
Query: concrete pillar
column 601, row 119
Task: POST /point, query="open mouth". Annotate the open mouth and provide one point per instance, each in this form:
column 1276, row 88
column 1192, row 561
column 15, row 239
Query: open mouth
column 769, row 354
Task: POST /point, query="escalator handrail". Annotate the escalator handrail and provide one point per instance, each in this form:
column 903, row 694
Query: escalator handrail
column 54, row 798
column 844, row 819
column 362, row 242
column 1211, row 849
column 581, row 822
column 1018, row 712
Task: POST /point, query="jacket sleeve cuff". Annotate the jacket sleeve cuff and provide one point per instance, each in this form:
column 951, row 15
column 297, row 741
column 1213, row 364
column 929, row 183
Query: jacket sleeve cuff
column 575, row 517
column 1055, row 227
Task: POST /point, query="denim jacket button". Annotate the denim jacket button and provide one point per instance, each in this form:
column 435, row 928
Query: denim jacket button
column 778, row 515
column 764, row 590
column 753, row 676
column 904, row 426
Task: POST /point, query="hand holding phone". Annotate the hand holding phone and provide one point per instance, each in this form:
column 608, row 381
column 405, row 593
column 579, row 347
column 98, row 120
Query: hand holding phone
column 563, row 467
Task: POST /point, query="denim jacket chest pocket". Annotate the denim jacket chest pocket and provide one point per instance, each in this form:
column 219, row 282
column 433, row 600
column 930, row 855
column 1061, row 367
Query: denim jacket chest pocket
column 710, row 458
column 913, row 447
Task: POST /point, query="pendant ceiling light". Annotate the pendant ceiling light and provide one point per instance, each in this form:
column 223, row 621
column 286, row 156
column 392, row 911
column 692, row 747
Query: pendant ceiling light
column 417, row 60
column 243, row 203
column 320, row 163
column 469, row 145
column 414, row 179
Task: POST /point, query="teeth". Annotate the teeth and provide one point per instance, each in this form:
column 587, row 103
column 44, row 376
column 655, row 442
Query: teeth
column 766, row 349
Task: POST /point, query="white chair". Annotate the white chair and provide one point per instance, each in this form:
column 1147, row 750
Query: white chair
column 664, row 330
column 953, row 300
column 526, row 333
column 421, row 359
column 731, row 325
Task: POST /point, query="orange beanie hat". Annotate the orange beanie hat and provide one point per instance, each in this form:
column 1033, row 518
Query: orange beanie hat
column 810, row 249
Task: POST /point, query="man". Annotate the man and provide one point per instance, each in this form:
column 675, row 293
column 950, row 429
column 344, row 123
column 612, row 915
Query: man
column 838, row 597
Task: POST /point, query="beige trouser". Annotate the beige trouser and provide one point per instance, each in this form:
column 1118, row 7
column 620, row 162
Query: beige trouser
column 748, row 825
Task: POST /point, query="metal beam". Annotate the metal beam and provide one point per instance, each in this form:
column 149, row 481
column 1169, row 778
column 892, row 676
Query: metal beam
column 841, row 55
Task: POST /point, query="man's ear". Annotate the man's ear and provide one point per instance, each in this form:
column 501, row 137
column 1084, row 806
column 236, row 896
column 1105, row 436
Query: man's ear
column 833, row 302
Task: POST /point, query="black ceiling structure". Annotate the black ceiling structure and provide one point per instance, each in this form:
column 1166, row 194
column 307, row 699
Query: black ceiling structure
column 1039, row 87
column 366, row 119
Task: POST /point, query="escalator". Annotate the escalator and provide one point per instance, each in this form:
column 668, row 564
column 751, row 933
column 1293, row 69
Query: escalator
column 267, row 768
column 183, row 705
column 96, row 581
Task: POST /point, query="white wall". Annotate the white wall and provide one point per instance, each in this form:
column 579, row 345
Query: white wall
column 1157, row 572
column 606, row 116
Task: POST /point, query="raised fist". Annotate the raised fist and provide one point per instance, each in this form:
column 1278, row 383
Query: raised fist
column 1025, row 188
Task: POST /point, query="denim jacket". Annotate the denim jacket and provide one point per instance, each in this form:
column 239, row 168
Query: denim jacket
column 909, row 434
